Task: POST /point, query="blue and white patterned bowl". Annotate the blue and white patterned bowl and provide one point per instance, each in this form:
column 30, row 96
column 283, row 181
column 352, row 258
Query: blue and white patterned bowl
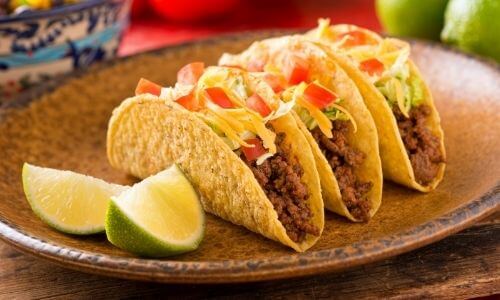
column 40, row 44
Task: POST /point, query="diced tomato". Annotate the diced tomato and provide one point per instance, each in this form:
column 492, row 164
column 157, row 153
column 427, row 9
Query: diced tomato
column 372, row 66
column 256, row 103
column 189, row 102
column 254, row 152
column 319, row 96
column 296, row 69
column 147, row 87
column 219, row 97
column 274, row 82
column 256, row 65
column 190, row 73
column 355, row 38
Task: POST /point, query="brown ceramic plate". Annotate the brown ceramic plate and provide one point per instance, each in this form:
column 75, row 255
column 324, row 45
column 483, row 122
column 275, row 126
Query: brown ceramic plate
column 66, row 128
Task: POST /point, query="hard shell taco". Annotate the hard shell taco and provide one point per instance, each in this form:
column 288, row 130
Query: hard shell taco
column 410, row 134
column 237, row 143
column 331, row 114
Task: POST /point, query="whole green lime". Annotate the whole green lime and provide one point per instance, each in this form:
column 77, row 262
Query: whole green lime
column 474, row 26
column 421, row 19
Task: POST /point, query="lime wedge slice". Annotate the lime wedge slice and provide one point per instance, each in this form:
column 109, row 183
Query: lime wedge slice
column 158, row 217
column 69, row 202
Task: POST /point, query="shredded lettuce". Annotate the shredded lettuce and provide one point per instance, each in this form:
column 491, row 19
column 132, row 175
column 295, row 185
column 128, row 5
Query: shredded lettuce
column 236, row 124
column 237, row 85
column 216, row 129
column 396, row 82
column 331, row 113
column 232, row 144
column 411, row 89
column 312, row 116
column 335, row 114
column 400, row 67
column 176, row 92
column 283, row 109
column 384, row 89
column 306, row 117
column 417, row 92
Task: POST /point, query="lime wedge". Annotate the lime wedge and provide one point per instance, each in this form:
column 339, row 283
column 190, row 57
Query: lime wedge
column 157, row 217
column 69, row 202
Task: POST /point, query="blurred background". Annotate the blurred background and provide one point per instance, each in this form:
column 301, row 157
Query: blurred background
column 42, row 38
column 162, row 22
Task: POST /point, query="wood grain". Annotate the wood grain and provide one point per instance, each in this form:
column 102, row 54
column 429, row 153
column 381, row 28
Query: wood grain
column 464, row 265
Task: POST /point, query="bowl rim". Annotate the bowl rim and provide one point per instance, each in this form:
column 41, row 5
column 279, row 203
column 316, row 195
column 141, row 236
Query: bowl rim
column 60, row 10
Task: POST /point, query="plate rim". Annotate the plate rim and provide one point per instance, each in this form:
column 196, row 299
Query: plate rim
column 249, row 270
column 234, row 271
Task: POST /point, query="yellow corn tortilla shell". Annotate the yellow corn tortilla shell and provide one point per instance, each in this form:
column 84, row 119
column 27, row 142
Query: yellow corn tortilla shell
column 364, row 139
column 396, row 164
column 147, row 134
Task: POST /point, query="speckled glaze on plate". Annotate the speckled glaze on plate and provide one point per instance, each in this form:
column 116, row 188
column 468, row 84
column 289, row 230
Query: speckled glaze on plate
column 63, row 125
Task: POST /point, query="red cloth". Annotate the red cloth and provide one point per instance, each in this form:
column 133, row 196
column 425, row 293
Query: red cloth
column 152, row 32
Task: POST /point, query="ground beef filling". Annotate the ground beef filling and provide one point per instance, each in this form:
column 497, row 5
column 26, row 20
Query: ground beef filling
column 344, row 160
column 422, row 146
column 280, row 176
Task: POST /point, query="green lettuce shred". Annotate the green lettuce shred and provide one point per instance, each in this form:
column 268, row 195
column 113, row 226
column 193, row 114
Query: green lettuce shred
column 305, row 117
column 216, row 129
column 331, row 113
column 335, row 114
column 417, row 93
column 387, row 91
column 414, row 93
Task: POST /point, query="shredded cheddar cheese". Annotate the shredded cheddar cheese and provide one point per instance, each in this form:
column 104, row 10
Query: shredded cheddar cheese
column 394, row 82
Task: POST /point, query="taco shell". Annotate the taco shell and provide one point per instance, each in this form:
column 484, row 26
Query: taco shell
column 364, row 139
column 396, row 164
column 147, row 134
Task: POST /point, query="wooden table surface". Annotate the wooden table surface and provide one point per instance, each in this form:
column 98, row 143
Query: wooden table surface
column 464, row 265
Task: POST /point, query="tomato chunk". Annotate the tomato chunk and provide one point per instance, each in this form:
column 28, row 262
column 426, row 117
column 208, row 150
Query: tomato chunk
column 147, row 87
column 274, row 82
column 256, row 103
column 254, row 152
column 296, row 70
column 219, row 97
column 372, row 66
column 355, row 38
column 189, row 102
column 319, row 96
column 190, row 73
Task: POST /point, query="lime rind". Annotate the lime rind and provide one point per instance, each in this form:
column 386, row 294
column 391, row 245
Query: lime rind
column 126, row 233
